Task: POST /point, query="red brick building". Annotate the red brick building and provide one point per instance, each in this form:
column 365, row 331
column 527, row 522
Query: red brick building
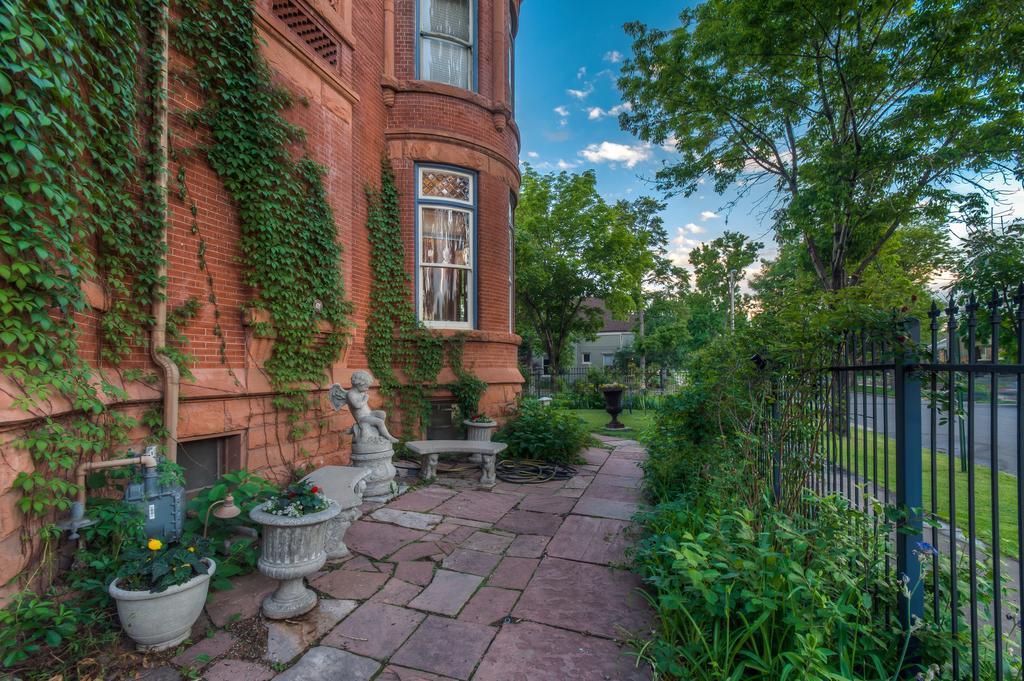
column 429, row 84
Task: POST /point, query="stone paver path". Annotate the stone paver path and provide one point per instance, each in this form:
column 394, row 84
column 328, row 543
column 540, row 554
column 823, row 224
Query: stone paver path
column 524, row 583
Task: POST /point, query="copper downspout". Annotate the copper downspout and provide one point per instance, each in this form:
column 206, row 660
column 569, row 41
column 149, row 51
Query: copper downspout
column 158, row 341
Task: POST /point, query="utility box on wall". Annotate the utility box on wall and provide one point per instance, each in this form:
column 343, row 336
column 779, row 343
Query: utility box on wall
column 163, row 506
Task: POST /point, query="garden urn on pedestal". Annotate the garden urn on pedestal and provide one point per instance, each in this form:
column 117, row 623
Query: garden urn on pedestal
column 613, row 404
column 480, row 429
column 291, row 548
column 372, row 444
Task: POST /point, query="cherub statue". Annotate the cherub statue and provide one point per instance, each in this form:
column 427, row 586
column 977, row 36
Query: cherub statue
column 369, row 423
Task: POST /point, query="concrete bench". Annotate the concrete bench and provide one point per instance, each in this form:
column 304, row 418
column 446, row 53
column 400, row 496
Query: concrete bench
column 429, row 449
column 344, row 484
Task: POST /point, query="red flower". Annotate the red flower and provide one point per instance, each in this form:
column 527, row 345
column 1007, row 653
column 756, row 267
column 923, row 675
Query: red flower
column 314, row 489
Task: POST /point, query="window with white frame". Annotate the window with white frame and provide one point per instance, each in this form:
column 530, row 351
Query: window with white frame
column 445, row 235
column 586, row 358
column 608, row 359
column 447, row 39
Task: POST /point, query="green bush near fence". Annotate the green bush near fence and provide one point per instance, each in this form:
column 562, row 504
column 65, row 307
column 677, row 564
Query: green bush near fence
column 743, row 590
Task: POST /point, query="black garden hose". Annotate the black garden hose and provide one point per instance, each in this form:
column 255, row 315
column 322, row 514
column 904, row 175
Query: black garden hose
column 531, row 471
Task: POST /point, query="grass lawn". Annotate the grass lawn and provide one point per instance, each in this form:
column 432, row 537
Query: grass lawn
column 982, row 490
column 597, row 418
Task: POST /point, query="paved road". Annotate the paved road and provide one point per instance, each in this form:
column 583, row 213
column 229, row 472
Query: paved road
column 1006, row 422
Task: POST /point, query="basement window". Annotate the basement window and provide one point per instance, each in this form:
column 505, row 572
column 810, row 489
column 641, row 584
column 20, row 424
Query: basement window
column 205, row 461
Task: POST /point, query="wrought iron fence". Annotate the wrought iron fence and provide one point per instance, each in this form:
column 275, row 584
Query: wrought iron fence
column 933, row 432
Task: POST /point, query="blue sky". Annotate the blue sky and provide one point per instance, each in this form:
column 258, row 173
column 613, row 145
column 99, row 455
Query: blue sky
column 568, row 56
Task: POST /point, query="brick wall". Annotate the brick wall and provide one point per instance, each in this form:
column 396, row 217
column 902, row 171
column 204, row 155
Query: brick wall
column 349, row 125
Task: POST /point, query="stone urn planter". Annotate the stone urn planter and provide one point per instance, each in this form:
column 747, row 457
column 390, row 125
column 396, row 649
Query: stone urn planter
column 292, row 548
column 613, row 405
column 480, row 431
column 158, row 621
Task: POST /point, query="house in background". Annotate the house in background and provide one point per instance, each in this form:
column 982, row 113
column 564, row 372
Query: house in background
column 614, row 335
column 599, row 352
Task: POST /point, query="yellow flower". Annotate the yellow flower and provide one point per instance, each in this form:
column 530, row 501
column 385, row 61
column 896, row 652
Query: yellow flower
column 191, row 549
column 155, row 545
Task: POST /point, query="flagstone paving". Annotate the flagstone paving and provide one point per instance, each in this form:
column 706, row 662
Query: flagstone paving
column 449, row 583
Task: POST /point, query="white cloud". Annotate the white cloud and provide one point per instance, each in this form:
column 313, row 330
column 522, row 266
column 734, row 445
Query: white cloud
column 613, row 56
column 581, row 72
column 613, row 152
column 532, row 154
column 670, row 143
column 565, row 165
column 561, row 111
column 580, row 94
column 595, row 112
column 682, row 246
column 709, row 215
column 693, row 228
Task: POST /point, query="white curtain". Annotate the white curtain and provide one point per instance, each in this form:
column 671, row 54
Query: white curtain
column 442, row 60
column 447, row 17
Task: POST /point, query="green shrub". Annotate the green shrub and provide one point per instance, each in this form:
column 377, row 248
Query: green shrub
column 679, row 444
column 233, row 540
column 30, row 623
column 751, row 593
column 545, row 434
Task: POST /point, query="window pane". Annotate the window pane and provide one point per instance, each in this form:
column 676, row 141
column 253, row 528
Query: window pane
column 440, row 184
column 445, row 62
column 445, row 294
column 201, row 461
column 446, row 17
column 445, row 236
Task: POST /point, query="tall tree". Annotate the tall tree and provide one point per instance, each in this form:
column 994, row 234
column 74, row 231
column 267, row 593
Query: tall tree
column 654, row 273
column 863, row 116
column 571, row 245
column 712, row 263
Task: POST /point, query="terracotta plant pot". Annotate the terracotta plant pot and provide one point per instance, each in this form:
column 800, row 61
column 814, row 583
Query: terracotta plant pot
column 290, row 550
column 158, row 621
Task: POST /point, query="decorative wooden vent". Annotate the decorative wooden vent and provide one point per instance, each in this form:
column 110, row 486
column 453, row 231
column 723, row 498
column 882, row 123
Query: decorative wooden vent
column 300, row 20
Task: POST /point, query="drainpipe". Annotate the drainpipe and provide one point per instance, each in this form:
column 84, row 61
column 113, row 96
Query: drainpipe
column 158, row 340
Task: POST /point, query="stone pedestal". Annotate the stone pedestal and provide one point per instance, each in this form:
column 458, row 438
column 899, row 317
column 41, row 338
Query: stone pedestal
column 290, row 550
column 375, row 456
column 345, row 485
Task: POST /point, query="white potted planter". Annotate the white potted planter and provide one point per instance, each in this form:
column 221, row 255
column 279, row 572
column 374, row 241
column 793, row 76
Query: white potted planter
column 480, row 431
column 158, row 621
column 292, row 548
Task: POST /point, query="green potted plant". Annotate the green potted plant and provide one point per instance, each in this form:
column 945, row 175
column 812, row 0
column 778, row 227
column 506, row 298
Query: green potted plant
column 613, row 403
column 160, row 591
column 294, row 527
column 467, row 391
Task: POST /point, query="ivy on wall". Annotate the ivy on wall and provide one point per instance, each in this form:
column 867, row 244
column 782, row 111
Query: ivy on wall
column 403, row 355
column 79, row 158
column 288, row 235
column 74, row 208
